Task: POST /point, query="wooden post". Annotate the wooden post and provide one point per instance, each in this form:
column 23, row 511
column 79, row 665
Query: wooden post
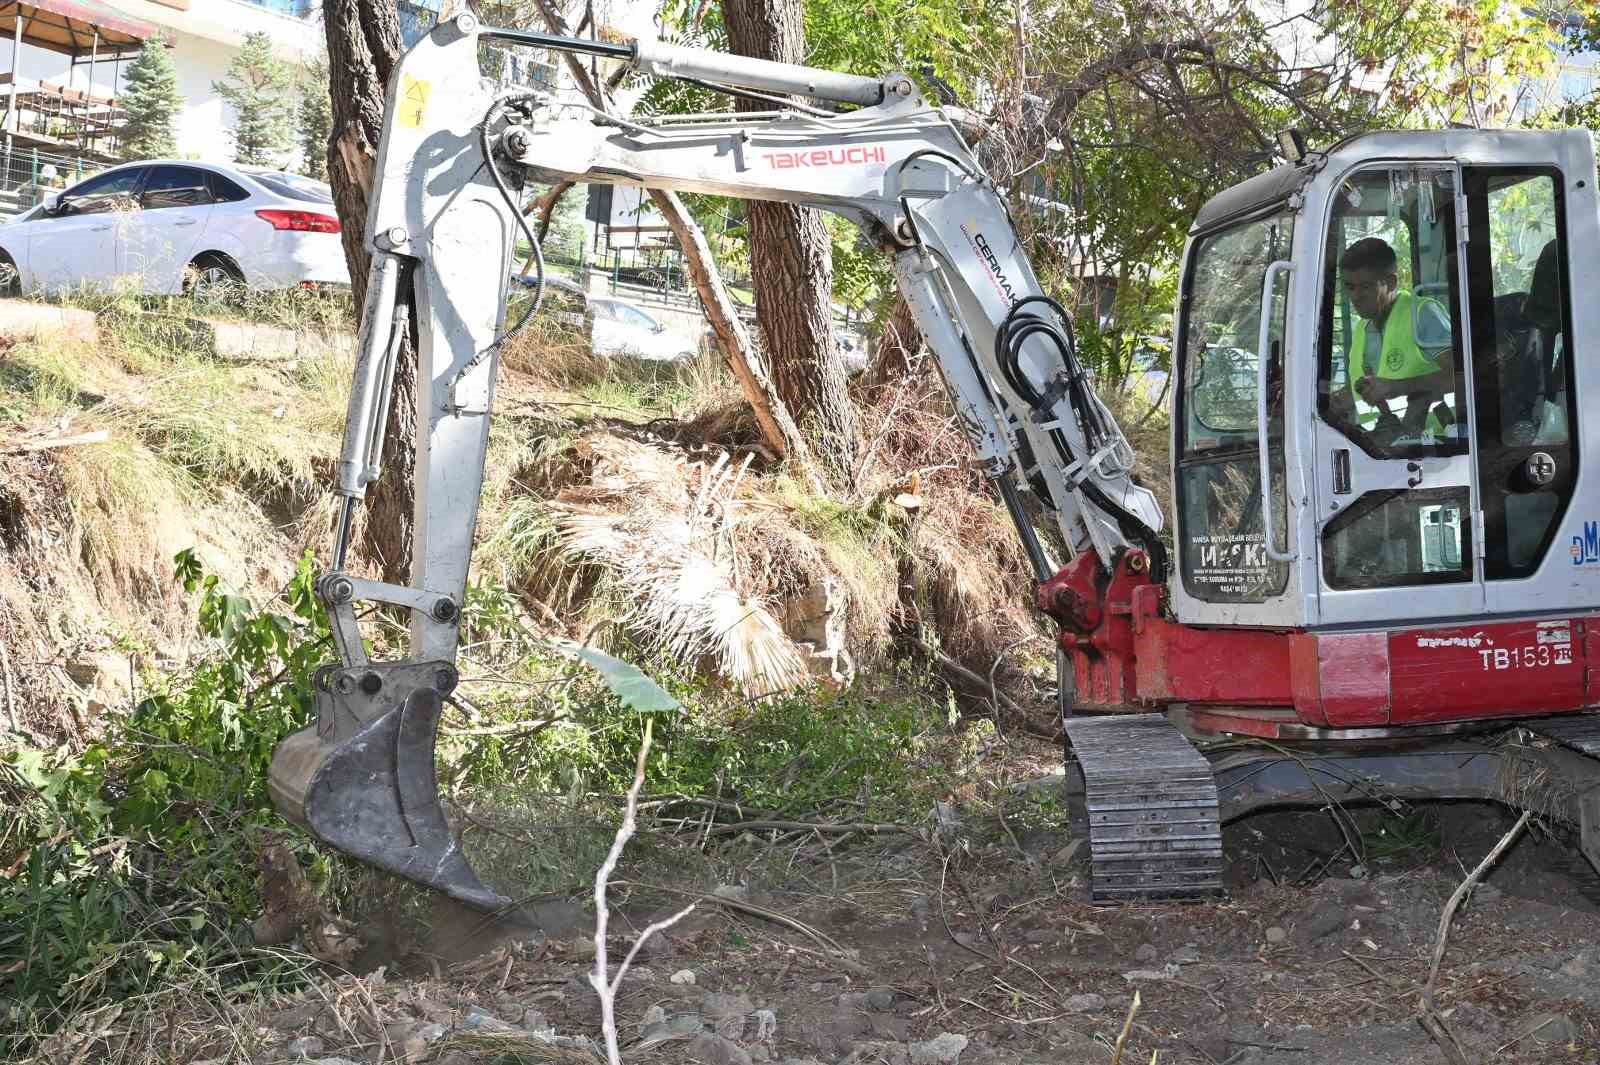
column 16, row 52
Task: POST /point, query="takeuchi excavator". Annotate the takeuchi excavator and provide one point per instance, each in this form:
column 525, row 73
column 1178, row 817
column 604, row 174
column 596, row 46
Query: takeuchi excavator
column 1387, row 539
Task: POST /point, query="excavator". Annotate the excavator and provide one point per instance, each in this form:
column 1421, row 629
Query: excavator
column 1383, row 569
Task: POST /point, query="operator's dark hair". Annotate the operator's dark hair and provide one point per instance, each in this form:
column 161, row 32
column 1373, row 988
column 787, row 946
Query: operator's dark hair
column 1371, row 253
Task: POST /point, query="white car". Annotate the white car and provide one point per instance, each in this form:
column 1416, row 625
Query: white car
column 165, row 227
column 620, row 328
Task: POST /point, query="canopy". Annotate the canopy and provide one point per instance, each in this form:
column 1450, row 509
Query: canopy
column 73, row 27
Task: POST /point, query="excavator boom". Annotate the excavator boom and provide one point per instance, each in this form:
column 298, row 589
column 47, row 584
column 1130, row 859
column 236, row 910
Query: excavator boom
column 1248, row 639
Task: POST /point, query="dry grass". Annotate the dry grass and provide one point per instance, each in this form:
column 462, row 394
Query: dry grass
column 662, row 526
column 703, row 550
column 224, row 458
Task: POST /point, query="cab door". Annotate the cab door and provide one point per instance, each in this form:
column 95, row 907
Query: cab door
column 1518, row 273
column 1235, row 528
column 1396, row 485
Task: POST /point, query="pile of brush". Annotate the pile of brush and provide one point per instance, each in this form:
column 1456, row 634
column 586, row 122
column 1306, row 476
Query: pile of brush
column 685, row 533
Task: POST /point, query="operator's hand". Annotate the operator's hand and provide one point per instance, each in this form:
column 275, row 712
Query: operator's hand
column 1367, row 388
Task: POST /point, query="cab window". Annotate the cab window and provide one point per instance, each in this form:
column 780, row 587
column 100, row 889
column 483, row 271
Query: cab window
column 1516, row 275
column 1391, row 372
column 1222, row 547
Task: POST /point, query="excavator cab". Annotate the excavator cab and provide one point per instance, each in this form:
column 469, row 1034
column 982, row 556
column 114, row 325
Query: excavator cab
column 1382, row 334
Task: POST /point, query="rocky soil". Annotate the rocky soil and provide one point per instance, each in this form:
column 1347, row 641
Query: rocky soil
column 979, row 948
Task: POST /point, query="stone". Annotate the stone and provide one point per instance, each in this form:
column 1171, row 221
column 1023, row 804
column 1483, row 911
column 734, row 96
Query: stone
column 1487, row 894
column 881, row 999
column 417, row 1041
column 683, row 1026
column 652, row 1015
column 943, row 1049
column 715, row 1050
column 1581, row 964
column 1276, row 935
column 726, row 1013
column 1146, row 952
column 307, row 1046
column 1070, row 1045
column 682, row 976
column 1324, row 919
column 1474, row 1018
column 1547, row 1028
column 877, row 1052
column 1086, row 1003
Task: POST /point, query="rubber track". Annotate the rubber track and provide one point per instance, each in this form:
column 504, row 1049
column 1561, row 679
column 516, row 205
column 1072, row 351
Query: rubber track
column 1154, row 832
column 1581, row 732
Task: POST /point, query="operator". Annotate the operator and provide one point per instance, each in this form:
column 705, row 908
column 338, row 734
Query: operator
column 1411, row 336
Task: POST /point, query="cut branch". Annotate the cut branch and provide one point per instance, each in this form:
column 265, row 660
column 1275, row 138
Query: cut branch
column 1427, row 1013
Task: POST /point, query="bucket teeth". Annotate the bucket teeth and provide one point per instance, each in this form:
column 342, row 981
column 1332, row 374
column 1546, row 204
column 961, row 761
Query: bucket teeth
column 1154, row 831
column 362, row 778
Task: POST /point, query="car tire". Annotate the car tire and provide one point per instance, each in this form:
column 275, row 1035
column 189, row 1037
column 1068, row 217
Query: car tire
column 212, row 276
column 10, row 277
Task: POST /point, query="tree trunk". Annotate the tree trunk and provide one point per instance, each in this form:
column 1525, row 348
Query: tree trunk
column 898, row 348
column 363, row 48
column 772, row 417
column 791, row 264
column 754, row 380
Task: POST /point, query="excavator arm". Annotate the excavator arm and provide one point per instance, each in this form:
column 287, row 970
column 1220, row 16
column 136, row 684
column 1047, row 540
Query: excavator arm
column 443, row 225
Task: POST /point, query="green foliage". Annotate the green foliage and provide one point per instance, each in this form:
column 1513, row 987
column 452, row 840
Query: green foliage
column 125, row 865
column 315, row 113
column 260, row 89
column 151, row 100
column 564, row 243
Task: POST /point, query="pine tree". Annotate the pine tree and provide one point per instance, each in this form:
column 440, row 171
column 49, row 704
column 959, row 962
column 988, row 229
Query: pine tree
column 151, row 100
column 260, row 88
column 316, row 118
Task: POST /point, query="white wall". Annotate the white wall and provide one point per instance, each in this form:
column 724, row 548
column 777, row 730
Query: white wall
column 204, row 40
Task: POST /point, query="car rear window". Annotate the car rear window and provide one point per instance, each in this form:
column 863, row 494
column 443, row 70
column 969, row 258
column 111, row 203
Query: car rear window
column 293, row 186
column 225, row 190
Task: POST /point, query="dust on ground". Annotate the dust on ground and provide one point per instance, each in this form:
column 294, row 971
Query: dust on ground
column 977, row 945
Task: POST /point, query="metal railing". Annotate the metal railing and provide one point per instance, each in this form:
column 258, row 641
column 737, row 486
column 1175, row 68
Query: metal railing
column 28, row 175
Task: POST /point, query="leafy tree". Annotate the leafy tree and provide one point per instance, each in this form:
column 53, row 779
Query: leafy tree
column 260, row 88
column 316, row 118
column 151, row 100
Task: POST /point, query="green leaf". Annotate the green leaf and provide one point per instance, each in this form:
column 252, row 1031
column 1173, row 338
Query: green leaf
column 631, row 685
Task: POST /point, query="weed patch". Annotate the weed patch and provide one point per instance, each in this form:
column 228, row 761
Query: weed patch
column 121, row 863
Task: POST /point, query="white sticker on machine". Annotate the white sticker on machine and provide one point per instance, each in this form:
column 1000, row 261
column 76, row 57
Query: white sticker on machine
column 1555, row 632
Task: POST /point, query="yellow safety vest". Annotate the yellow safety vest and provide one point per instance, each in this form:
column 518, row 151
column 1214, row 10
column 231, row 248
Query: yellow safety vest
column 1401, row 359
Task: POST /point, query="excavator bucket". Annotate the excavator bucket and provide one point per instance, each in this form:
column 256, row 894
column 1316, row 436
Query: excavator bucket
column 362, row 778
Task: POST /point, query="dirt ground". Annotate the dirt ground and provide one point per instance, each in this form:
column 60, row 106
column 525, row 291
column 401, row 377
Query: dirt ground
column 979, row 947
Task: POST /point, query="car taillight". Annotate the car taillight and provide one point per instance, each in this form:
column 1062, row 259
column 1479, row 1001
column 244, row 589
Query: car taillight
column 300, row 221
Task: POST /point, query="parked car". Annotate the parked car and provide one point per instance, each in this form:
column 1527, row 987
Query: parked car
column 621, row 328
column 170, row 226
